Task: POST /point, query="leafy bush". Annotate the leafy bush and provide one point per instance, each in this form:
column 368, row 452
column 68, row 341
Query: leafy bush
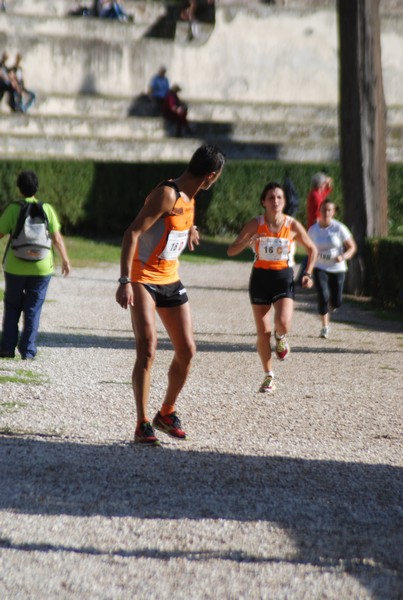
column 66, row 185
column 236, row 195
column 103, row 198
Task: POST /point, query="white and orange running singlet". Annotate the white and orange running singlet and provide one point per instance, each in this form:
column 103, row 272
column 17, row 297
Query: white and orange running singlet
column 158, row 249
column 273, row 250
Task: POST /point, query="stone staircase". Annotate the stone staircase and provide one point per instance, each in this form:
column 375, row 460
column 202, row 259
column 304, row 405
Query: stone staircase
column 107, row 128
column 104, row 127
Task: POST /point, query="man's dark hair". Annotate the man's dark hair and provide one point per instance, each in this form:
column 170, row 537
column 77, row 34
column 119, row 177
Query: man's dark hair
column 272, row 185
column 205, row 160
column 27, row 183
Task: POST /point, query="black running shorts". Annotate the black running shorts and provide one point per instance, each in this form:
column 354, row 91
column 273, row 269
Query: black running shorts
column 167, row 296
column 266, row 286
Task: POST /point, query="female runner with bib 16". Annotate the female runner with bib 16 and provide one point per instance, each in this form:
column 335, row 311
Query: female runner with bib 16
column 272, row 236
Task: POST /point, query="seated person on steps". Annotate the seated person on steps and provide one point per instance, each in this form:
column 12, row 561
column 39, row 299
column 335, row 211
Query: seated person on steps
column 175, row 110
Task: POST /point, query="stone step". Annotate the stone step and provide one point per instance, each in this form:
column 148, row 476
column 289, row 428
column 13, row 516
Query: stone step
column 141, row 11
column 156, row 128
column 152, row 128
column 98, row 128
column 217, row 111
column 165, row 149
column 53, row 28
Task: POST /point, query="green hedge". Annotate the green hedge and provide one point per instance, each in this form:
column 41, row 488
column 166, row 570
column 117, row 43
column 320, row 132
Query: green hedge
column 65, row 185
column 235, row 197
column 103, row 198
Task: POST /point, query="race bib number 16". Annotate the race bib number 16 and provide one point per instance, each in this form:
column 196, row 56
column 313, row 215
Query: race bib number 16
column 176, row 243
column 273, row 248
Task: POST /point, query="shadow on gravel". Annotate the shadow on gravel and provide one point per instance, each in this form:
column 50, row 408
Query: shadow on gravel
column 340, row 515
column 57, row 340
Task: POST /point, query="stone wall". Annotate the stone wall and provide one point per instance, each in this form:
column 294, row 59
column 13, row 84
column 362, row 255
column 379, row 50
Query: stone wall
column 254, row 53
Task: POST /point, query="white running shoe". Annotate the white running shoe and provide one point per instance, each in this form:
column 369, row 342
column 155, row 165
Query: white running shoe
column 282, row 348
column 268, row 386
column 324, row 332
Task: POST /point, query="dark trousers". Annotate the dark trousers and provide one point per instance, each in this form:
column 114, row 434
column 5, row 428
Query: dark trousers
column 23, row 294
column 329, row 289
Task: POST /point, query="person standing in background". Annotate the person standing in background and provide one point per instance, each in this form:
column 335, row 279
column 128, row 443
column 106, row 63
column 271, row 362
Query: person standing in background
column 321, row 188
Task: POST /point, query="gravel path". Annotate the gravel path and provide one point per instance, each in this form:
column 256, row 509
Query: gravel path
column 293, row 496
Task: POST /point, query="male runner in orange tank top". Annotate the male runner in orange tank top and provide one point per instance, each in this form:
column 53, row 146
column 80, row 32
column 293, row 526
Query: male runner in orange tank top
column 150, row 284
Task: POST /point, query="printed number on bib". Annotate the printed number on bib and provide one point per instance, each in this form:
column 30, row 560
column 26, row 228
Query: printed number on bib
column 273, row 248
column 176, row 243
column 329, row 255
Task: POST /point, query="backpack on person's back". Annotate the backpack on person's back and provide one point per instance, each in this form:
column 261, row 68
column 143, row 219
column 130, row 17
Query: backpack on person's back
column 31, row 239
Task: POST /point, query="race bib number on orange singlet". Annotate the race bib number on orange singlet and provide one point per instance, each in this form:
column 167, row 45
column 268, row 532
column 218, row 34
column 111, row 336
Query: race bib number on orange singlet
column 175, row 245
column 270, row 248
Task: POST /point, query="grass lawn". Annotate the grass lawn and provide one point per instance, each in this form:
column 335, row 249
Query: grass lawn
column 85, row 252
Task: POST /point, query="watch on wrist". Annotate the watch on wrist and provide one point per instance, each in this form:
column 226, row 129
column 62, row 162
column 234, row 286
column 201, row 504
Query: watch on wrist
column 307, row 275
column 124, row 280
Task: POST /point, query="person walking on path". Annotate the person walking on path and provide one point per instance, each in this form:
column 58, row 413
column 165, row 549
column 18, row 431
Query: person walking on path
column 26, row 281
column 271, row 236
column 335, row 245
column 150, row 284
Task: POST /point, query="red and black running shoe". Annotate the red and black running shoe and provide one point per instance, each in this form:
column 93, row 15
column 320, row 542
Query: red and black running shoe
column 145, row 435
column 169, row 424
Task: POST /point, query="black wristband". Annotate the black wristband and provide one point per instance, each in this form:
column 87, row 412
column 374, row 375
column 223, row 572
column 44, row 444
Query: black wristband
column 307, row 275
column 124, row 280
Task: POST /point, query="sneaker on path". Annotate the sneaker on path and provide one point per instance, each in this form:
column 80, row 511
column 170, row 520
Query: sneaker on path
column 169, row 424
column 282, row 348
column 324, row 332
column 268, row 386
column 144, row 434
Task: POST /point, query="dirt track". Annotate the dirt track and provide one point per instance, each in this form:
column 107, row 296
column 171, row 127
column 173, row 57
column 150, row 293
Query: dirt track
column 295, row 496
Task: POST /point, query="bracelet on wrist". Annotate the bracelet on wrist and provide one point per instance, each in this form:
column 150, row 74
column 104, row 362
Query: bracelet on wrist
column 307, row 275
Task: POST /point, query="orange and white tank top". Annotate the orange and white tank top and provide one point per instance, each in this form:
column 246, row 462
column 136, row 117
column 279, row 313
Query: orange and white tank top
column 274, row 250
column 158, row 249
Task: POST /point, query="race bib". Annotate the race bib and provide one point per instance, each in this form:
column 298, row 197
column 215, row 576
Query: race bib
column 176, row 243
column 273, row 249
column 329, row 256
